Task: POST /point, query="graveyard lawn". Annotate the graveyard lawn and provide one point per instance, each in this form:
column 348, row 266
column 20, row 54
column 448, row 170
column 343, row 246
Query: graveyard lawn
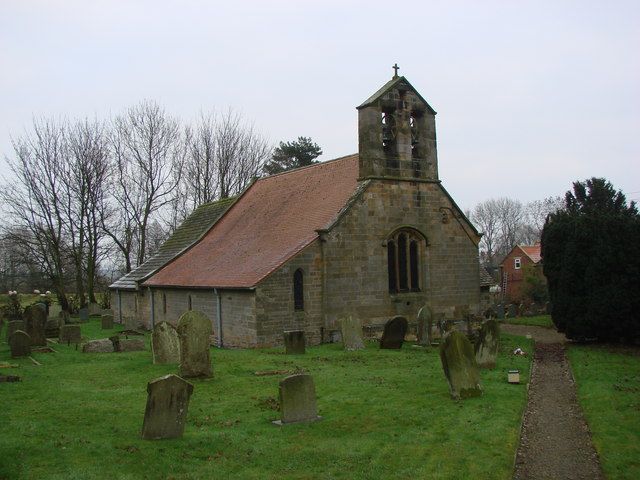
column 538, row 321
column 608, row 380
column 386, row 414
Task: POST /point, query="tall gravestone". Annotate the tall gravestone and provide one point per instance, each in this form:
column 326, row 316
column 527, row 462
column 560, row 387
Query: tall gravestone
column 13, row 326
column 35, row 319
column 165, row 344
column 297, row 400
column 487, row 344
column 20, row 344
column 106, row 322
column 194, row 329
column 425, row 326
column 294, row 343
column 393, row 334
column 83, row 313
column 351, row 329
column 459, row 365
column 70, row 334
column 167, row 405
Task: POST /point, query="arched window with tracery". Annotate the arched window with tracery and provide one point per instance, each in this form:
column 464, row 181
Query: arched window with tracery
column 298, row 290
column 403, row 261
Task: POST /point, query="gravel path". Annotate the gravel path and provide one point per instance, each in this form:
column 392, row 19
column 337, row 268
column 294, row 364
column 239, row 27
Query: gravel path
column 555, row 442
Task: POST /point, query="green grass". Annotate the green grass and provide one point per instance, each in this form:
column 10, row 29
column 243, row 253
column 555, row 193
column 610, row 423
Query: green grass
column 608, row 381
column 387, row 414
column 538, row 320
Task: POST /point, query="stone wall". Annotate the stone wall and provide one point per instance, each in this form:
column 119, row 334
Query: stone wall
column 131, row 304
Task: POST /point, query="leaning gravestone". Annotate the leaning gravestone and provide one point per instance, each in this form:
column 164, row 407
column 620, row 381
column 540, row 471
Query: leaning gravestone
column 486, row 347
column 106, row 322
column 393, row 334
column 14, row 325
column 103, row 345
column 297, row 400
column 83, row 313
column 351, row 329
column 500, row 311
column 165, row 344
column 167, row 405
column 35, row 319
column 425, row 325
column 20, row 344
column 294, row 343
column 460, row 367
column 70, row 334
column 194, row 329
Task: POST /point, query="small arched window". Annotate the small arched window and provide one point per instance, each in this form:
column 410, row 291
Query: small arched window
column 298, row 290
column 403, row 261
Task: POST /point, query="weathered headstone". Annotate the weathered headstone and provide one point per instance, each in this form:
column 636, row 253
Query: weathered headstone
column 294, row 343
column 70, row 334
column 487, row 344
column 103, row 345
column 513, row 310
column 13, row 326
column 500, row 311
column 54, row 309
column 20, row 344
column 459, row 365
column 351, row 328
column 194, row 329
column 297, row 399
column 52, row 327
column 107, row 322
column 393, row 334
column 425, row 325
column 83, row 313
column 167, row 405
column 165, row 344
column 35, row 319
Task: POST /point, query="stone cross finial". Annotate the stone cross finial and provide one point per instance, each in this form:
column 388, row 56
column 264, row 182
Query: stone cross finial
column 395, row 68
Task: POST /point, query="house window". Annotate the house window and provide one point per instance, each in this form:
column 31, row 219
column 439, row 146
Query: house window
column 403, row 261
column 298, row 290
column 189, row 304
column 164, row 303
column 516, row 263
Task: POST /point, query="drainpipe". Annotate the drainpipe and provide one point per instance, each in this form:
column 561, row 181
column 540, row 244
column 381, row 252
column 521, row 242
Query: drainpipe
column 153, row 309
column 219, row 316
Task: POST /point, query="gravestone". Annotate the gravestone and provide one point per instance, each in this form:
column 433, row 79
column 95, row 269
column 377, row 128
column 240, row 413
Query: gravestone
column 393, row 334
column 194, row 329
column 294, row 343
column 54, row 309
column 167, row 405
column 20, row 344
column 297, row 400
column 70, row 334
column 487, row 344
column 52, row 327
column 500, row 311
column 106, row 322
column 351, row 329
column 103, row 345
column 83, row 313
column 425, row 325
column 13, row 326
column 513, row 310
column 459, row 365
column 43, row 306
column 127, row 344
column 165, row 344
column 35, row 319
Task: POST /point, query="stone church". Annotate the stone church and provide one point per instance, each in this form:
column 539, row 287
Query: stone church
column 372, row 235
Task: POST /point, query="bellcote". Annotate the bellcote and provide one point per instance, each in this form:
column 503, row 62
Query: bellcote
column 397, row 134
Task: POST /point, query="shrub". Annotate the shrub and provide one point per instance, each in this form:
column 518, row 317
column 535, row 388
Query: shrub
column 591, row 258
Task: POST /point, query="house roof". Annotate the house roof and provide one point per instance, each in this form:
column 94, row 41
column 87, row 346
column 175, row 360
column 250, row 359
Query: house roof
column 196, row 224
column 396, row 81
column 486, row 280
column 532, row 251
column 273, row 220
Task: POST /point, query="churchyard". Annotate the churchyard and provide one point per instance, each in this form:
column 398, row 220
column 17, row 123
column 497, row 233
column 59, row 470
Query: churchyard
column 385, row 414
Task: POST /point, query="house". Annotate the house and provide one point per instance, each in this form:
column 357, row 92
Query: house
column 371, row 235
column 516, row 264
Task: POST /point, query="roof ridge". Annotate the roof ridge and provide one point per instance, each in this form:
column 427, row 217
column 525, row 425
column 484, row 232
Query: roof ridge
column 317, row 164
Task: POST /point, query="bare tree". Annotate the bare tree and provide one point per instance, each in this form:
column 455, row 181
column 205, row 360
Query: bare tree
column 148, row 157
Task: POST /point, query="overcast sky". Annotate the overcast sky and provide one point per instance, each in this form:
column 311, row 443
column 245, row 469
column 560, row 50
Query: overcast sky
column 530, row 95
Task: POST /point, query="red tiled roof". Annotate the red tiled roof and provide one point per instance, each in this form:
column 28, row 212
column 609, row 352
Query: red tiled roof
column 272, row 221
column 532, row 251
